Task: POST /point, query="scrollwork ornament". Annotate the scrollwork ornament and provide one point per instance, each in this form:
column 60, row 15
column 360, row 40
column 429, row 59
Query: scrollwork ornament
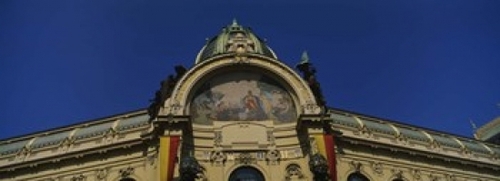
column 80, row 177
column 240, row 44
column 241, row 58
column 126, row 172
column 110, row 136
column 356, row 165
column 246, row 158
column 65, row 145
column 365, row 132
column 377, row 168
column 402, row 139
column 101, row 174
column 23, row 154
column 273, row 156
column 175, row 107
column 310, row 108
column 416, row 174
column 397, row 173
column 218, row 157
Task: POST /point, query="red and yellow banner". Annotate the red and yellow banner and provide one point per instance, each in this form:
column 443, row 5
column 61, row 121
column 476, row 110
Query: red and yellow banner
column 168, row 154
column 326, row 147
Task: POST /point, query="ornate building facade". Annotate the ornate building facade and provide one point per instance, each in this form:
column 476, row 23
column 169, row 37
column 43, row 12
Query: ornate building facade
column 241, row 114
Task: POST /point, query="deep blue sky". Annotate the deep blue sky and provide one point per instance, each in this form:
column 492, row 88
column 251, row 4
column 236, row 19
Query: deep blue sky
column 433, row 64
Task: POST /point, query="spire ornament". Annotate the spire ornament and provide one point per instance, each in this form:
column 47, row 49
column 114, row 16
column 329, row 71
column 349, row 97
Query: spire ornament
column 235, row 23
column 304, row 59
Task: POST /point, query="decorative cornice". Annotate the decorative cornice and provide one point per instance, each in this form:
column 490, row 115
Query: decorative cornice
column 408, row 171
column 23, row 159
column 438, row 143
column 428, row 154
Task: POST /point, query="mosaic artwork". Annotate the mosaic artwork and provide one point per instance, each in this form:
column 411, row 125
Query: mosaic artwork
column 242, row 96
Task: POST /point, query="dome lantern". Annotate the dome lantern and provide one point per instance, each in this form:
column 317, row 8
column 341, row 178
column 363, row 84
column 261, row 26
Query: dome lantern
column 237, row 39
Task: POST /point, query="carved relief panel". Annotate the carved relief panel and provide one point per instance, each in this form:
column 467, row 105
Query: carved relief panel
column 244, row 136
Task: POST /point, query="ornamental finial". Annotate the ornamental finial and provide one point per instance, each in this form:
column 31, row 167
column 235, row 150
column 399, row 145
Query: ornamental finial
column 304, row 58
column 235, row 23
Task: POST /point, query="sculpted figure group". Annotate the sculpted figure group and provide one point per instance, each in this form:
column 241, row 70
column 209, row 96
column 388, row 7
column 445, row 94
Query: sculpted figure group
column 166, row 89
column 308, row 72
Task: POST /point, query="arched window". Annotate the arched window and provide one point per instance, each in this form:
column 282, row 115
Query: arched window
column 127, row 179
column 246, row 173
column 357, row 177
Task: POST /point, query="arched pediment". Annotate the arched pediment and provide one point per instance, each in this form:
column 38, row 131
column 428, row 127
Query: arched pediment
column 226, row 82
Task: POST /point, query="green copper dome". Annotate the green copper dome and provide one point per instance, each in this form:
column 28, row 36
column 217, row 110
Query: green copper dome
column 234, row 39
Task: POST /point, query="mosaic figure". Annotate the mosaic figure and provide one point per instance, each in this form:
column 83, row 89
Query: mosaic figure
column 242, row 97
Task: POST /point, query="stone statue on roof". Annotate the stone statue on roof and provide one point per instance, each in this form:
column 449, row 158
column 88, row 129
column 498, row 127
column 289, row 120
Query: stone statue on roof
column 308, row 73
column 166, row 88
